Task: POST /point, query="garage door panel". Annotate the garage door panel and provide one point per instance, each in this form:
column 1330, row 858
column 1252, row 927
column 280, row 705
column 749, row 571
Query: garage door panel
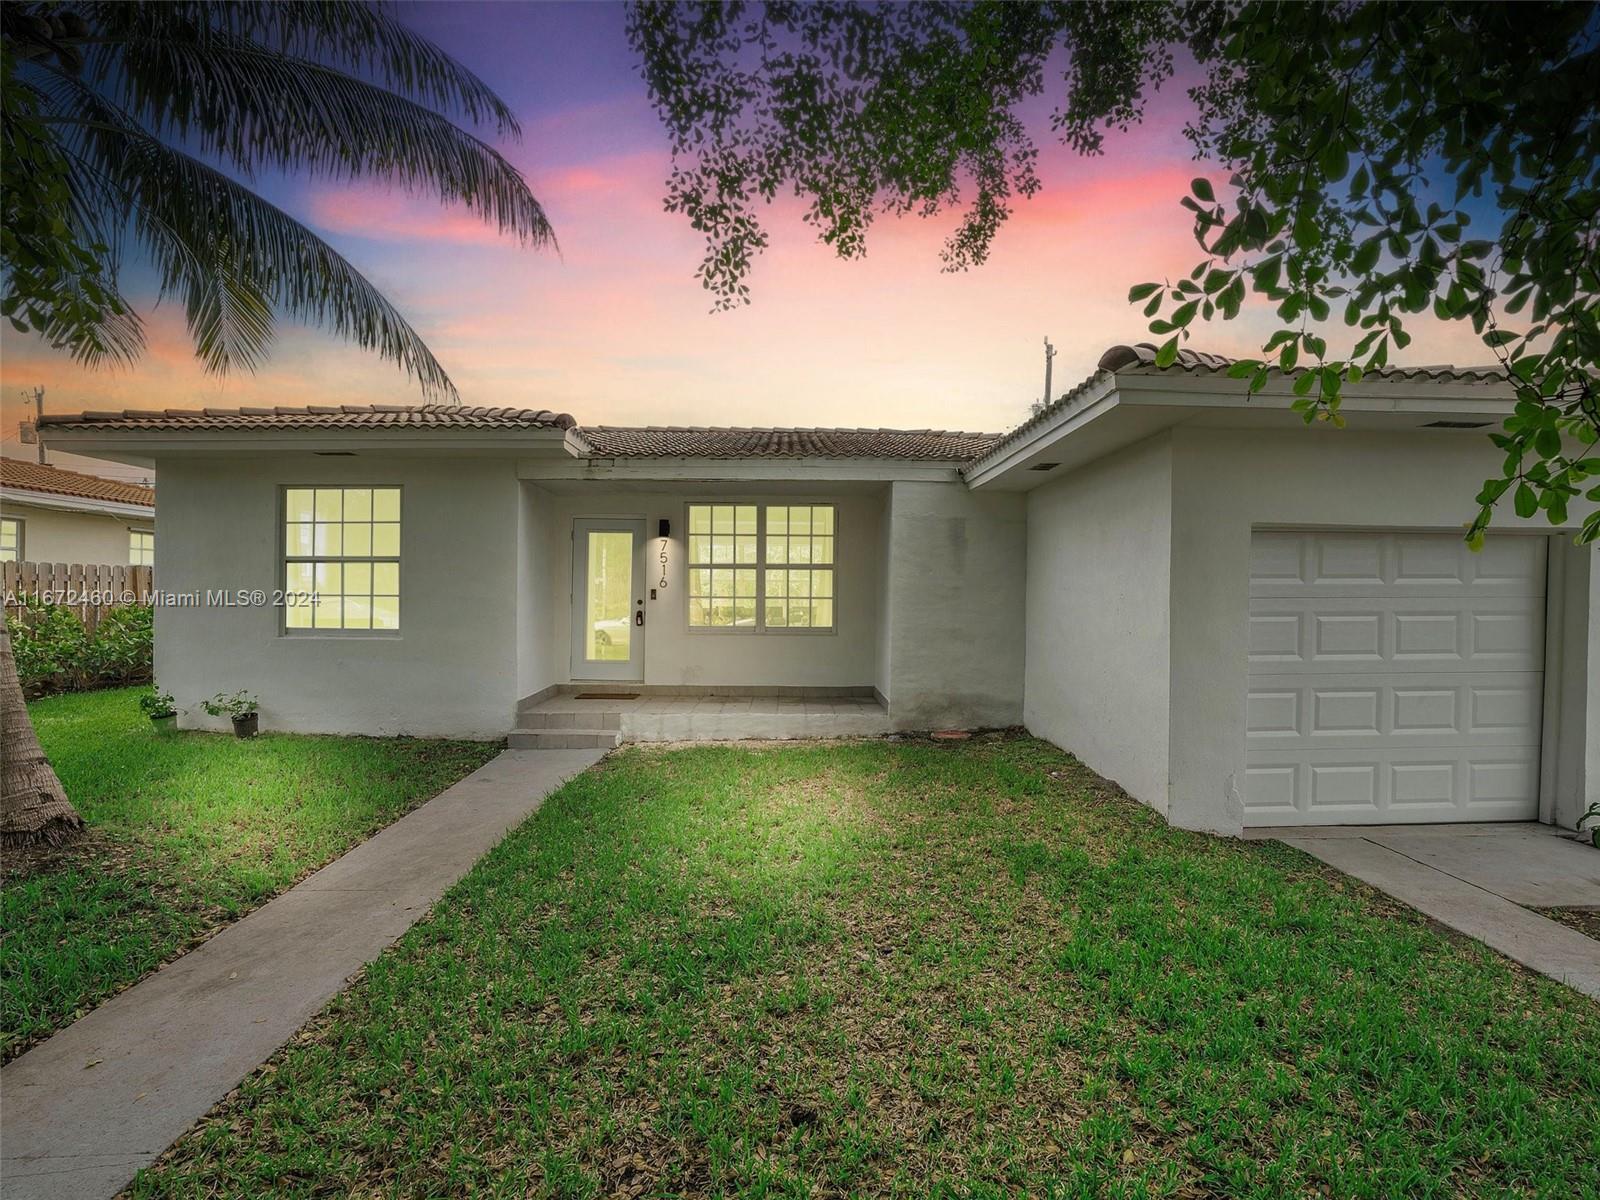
column 1447, row 709
column 1289, row 563
column 1363, row 786
column 1344, row 633
column 1393, row 677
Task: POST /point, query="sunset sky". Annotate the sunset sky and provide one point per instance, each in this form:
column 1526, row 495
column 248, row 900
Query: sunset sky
column 616, row 329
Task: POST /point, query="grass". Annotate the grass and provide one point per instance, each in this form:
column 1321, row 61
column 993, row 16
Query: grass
column 187, row 832
column 906, row 970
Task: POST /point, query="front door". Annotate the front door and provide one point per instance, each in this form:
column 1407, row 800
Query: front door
column 607, row 599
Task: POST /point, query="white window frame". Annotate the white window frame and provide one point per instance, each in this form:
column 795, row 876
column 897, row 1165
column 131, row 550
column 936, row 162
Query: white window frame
column 761, row 566
column 22, row 538
column 285, row 559
column 137, row 533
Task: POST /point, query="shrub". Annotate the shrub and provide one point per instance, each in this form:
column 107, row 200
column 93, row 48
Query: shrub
column 119, row 648
column 55, row 653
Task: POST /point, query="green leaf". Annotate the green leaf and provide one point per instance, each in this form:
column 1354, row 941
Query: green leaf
column 1201, row 187
column 1334, row 161
column 1168, row 354
column 1141, row 291
column 1524, row 500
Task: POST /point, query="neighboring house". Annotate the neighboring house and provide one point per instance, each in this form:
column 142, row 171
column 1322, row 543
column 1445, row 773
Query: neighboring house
column 48, row 514
column 1241, row 620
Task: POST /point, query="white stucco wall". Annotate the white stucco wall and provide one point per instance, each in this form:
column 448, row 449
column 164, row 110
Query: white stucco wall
column 880, row 668
column 1571, row 670
column 1586, row 787
column 676, row 656
column 1225, row 482
column 1099, row 555
column 538, row 547
column 956, row 578
column 451, row 670
column 52, row 535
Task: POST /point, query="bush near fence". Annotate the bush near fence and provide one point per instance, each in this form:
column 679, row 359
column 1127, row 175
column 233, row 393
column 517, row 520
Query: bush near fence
column 75, row 627
column 89, row 590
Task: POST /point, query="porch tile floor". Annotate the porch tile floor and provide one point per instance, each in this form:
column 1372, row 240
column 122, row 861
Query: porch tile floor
column 704, row 718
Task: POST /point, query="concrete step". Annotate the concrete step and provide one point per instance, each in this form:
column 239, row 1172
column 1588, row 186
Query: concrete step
column 535, row 738
column 586, row 718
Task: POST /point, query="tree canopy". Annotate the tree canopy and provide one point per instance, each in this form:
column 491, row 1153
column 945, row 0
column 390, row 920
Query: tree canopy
column 1383, row 163
column 132, row 123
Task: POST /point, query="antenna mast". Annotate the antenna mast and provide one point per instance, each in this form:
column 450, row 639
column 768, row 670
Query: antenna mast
column 38, row 411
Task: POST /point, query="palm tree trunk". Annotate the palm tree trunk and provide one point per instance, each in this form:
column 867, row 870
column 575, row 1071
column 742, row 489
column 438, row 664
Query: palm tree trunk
column 33, row 805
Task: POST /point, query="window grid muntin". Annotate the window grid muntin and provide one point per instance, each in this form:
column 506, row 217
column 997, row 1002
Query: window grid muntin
column 141, row 548
column 793, row 559
column 724, row 548
column 354, row 592
column 13, row 539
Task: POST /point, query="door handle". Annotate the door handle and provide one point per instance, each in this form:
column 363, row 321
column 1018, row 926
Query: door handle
column 638, row 615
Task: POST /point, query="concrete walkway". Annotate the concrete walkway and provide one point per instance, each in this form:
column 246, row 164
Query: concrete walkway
column 1481, row 880
column 105, row 1096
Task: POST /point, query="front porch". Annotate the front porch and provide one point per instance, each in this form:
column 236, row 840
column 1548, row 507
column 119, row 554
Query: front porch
column 587, row 716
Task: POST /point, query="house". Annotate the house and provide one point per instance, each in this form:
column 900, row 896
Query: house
column 48, row 514
column 1241, row 620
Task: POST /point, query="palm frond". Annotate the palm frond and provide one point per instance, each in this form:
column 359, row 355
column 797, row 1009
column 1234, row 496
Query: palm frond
column 354, row 33
column 256, row 108
column 125, row 101
column 232, row 256
column 91, row 324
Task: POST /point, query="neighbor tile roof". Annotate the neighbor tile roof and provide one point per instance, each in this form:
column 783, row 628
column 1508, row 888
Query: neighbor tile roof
column 1195, row 362
column 663, row 441
column 38, row 477
column 339, row 416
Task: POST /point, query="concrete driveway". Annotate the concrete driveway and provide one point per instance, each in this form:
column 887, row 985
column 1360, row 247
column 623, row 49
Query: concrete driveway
column 1483, row 880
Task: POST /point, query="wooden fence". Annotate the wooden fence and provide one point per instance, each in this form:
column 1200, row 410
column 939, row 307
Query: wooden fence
column 89, row 589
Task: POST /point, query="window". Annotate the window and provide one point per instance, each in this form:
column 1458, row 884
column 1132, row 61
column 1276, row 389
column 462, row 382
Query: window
column 799, row 563
column 723, row 545
column 342, row 558
column 761, row 567
column 11, row 548
column 141, row 547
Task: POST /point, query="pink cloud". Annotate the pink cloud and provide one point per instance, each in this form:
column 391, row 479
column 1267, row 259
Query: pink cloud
column 376, row 212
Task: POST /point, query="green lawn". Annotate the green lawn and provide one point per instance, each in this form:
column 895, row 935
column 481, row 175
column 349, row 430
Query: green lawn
column 904, row 969
column 186, row 833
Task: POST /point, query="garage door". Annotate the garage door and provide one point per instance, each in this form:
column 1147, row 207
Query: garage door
column 1393, row 678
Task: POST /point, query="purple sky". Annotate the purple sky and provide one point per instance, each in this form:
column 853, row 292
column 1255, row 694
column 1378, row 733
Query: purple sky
column 616, row 328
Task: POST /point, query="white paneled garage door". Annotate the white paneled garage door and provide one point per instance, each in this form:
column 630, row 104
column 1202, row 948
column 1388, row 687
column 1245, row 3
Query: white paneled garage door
column 1394, row 677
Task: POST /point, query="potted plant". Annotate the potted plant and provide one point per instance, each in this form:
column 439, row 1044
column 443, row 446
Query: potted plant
column 1592, row 813
column 240, row 708
column 161, row 709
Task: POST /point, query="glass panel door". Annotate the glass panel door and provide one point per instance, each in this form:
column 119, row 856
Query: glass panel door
column 608, row 621
column 608, row 628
